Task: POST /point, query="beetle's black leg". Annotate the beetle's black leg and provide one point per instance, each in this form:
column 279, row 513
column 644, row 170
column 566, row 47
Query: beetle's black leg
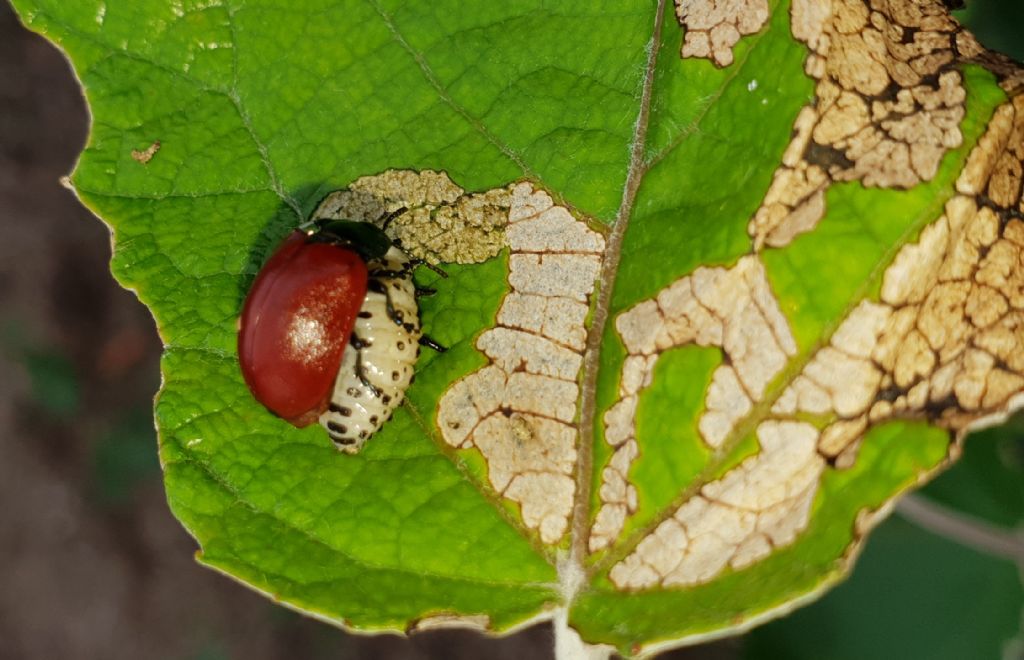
column 384, row 273
column 425, row 291
column 359, row 344
column 396, row 315
column 416, row 261
column 425, row 340
column 391, row 216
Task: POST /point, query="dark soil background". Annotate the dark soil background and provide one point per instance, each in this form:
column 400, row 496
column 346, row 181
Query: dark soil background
column 92, row 564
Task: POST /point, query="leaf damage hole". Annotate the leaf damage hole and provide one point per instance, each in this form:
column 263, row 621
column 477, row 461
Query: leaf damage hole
column 888, row 106
column 944, row 343
column 733, row 309
column 427, row 214
column 713, row 27
column 518, row 411
column 146, row 155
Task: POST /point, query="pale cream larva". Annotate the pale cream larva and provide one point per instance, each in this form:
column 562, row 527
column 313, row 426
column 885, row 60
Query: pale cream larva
column 377, row 366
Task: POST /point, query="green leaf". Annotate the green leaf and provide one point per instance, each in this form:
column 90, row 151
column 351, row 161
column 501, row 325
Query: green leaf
column 720, row 287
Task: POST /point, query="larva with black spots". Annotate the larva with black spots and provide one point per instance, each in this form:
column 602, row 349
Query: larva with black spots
column 377, row 365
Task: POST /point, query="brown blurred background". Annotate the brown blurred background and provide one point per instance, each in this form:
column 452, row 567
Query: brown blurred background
column 92, row 565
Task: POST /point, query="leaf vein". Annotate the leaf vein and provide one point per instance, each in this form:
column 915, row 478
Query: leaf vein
column 433, row 81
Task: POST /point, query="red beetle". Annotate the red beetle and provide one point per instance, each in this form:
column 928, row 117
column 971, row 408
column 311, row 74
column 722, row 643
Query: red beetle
column 330, row 330
column 299, row 315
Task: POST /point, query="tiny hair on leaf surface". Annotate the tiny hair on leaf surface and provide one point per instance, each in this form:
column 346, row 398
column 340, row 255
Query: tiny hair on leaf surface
column 717, row 283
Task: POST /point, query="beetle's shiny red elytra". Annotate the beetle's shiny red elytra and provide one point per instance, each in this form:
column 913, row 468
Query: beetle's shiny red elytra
column 296, row 323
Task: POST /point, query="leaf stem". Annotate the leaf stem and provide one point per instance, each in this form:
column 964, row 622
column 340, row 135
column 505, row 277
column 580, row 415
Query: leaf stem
column 963, row 528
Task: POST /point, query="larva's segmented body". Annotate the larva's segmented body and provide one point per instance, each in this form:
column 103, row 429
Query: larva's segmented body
column 377, row 365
